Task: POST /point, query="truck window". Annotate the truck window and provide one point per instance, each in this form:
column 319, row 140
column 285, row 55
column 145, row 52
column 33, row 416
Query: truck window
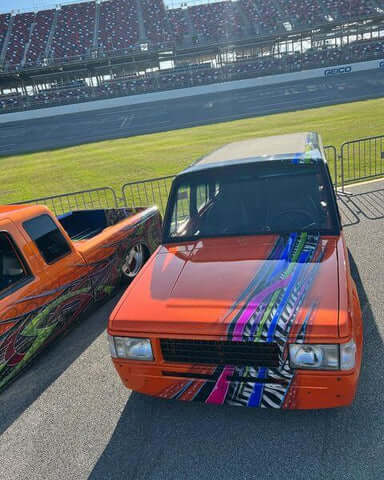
column 255, row 199
column 181, row 212
column 49, row 240
column 12, row 270
column 202, row 196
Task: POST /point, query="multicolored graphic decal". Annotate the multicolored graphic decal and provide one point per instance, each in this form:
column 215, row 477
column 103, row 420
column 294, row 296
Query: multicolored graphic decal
column 267, row 311
column 312, row 153
column 35, row 328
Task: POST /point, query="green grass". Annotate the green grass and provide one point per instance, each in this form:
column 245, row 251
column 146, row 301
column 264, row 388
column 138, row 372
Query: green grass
column 113, row 163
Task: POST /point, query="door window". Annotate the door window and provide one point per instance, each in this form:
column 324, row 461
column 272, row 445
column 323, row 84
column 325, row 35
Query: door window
column 13, row 272
column 181, row 211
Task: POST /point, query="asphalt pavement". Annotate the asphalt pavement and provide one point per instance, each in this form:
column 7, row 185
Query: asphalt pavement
column 68, row 416
column 74, row 129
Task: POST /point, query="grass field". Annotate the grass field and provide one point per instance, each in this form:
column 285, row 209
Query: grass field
column 113, row 163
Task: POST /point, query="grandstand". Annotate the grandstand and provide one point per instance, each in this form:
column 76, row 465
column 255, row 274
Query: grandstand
column 108, row 48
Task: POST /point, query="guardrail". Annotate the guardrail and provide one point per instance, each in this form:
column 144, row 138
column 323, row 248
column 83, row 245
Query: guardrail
column 103, row 197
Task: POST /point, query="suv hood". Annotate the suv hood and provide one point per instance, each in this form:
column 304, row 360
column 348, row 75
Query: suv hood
column 243, row 288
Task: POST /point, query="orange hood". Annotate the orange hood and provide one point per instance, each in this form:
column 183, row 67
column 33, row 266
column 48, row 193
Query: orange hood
column 235, row 288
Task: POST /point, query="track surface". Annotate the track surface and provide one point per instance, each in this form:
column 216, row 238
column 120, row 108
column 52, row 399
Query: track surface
column 66, row 130
column 68, row 417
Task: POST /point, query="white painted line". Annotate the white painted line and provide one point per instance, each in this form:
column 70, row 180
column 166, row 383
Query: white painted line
column 365, row 183
column 9, row 145
column 128, row 119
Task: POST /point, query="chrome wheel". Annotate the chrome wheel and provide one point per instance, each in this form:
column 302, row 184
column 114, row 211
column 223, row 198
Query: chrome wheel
column 134, row 260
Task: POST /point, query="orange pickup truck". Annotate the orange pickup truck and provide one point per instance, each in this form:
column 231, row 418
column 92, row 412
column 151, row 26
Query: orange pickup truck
column 53, row 269
column 249, row 300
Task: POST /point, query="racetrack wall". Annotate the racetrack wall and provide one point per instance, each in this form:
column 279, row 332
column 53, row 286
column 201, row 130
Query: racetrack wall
column 323, row 72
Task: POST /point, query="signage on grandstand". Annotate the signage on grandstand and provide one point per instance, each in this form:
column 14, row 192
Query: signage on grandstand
column 338, row 70
column 381, row 64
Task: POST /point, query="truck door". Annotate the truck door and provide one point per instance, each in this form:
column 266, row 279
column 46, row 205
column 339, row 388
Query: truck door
column 19, row 277
column 22, row 282
column 67, row 286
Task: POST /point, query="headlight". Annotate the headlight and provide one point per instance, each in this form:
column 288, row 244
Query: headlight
column 320, row 357
column 347, row 355
column 323, row 357
column 130, row 348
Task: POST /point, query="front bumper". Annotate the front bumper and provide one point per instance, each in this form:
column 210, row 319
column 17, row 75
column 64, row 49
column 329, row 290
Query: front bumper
column 303, row 390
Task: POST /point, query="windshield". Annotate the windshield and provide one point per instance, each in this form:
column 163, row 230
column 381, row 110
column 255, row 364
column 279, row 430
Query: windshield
column 251, row 200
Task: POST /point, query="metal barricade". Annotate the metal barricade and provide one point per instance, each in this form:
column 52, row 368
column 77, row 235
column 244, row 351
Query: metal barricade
column 362, row 159
column 147, row 193
column 103, row 197
column 358, row 160
column 332, row 159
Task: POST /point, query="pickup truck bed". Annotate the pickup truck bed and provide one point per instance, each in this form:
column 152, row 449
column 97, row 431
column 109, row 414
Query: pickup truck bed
column 85, row 224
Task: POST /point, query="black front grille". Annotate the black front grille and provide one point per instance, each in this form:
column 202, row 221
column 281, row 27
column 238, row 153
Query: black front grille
column 211, row 352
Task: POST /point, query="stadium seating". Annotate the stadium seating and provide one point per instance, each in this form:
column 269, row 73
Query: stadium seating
column 302, row 13
column 4, row 22
column 270, row 16
column 118, row 27
column 183, row 77
column 112, row 27
column 74, row 30
column 216, row 21
column 124, row 24
column 156, row 21
column 177, row 20
column 349, row 8
column 39, row 37
column 19, row 38
column 12, row 102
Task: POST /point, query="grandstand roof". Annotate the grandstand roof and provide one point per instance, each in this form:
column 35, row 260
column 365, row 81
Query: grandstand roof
column 297, row 147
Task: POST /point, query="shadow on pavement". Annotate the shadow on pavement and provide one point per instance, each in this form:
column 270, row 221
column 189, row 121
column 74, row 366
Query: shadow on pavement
column 51, row 363
column 370, row 204
column 160, row 439
column 347, row 211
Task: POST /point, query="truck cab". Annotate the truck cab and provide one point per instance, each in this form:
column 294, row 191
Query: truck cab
column 249, row 301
